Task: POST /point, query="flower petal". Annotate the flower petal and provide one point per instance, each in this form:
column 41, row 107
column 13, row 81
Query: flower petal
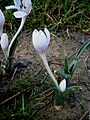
column 2, row 19
column 17, row 3
column 39, row 41
column 63, row 85
column 11, row 7
column 28, row 6
column 20, row 14
column 4, row 41
column 47, row 34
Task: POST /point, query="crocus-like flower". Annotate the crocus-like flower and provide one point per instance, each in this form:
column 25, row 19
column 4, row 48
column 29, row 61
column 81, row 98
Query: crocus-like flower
column 41, row 41
column 62, row 85
column 23, row 9
column 4, row 43
column 23, row 6
column 2, row 20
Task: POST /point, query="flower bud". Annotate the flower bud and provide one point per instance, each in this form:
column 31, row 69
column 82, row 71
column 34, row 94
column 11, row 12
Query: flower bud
column 62, row 85
column 4, row 41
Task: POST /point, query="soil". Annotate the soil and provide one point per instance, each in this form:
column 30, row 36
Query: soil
column 76, row 106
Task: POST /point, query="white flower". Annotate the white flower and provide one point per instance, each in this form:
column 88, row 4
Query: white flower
column 41, row 40
column 62, row 85
column 23, row 6
column 4, row 41
column 2, row 20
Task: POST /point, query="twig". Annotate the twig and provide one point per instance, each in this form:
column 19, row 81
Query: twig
column 12, row 77
column 13, row 96
column 42, row 107
column 87, row 86
column 49, row 94
column 13, row 74
column 83, row 116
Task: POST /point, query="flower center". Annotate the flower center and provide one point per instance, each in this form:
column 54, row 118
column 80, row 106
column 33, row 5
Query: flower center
column 22, row 6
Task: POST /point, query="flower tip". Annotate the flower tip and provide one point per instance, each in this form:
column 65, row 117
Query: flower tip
column 63, row 85
column 35, row 31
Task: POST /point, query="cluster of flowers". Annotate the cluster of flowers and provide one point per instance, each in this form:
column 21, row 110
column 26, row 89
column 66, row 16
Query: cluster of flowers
column 40, row 39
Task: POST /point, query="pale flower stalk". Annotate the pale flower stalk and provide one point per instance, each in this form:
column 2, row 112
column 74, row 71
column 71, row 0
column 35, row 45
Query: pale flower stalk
column 15, row 36
column 43, row 57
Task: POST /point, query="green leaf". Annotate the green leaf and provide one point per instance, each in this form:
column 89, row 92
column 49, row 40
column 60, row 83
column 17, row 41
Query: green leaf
column 66, row 65
column 82, row 49
column 63, row 75
column 73, row 66
column 71, row 89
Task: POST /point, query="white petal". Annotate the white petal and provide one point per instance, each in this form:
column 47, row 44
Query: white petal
column 11, row 7
column 63, row 85
column 17, row 3
column 20, row 14
column 2, row 19
column 47, row 34
column 28, row 6
column 39, row 41
column 4, row 41
column 35, row 36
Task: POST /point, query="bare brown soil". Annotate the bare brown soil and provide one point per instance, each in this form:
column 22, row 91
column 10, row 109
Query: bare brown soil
column 77, row 106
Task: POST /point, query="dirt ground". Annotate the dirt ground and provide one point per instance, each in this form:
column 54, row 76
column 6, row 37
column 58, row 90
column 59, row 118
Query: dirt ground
column 78, row 106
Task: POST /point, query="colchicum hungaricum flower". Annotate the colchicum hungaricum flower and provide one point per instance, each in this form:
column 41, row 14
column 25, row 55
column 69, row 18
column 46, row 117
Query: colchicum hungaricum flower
column 23, row 6
column 4, row 43
column 41, row 41
column 23, row 9
column 2, row 20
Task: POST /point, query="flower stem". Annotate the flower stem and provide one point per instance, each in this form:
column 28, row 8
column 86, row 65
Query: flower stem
column 15, row 36
column 43, row 57
column 58, row 94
